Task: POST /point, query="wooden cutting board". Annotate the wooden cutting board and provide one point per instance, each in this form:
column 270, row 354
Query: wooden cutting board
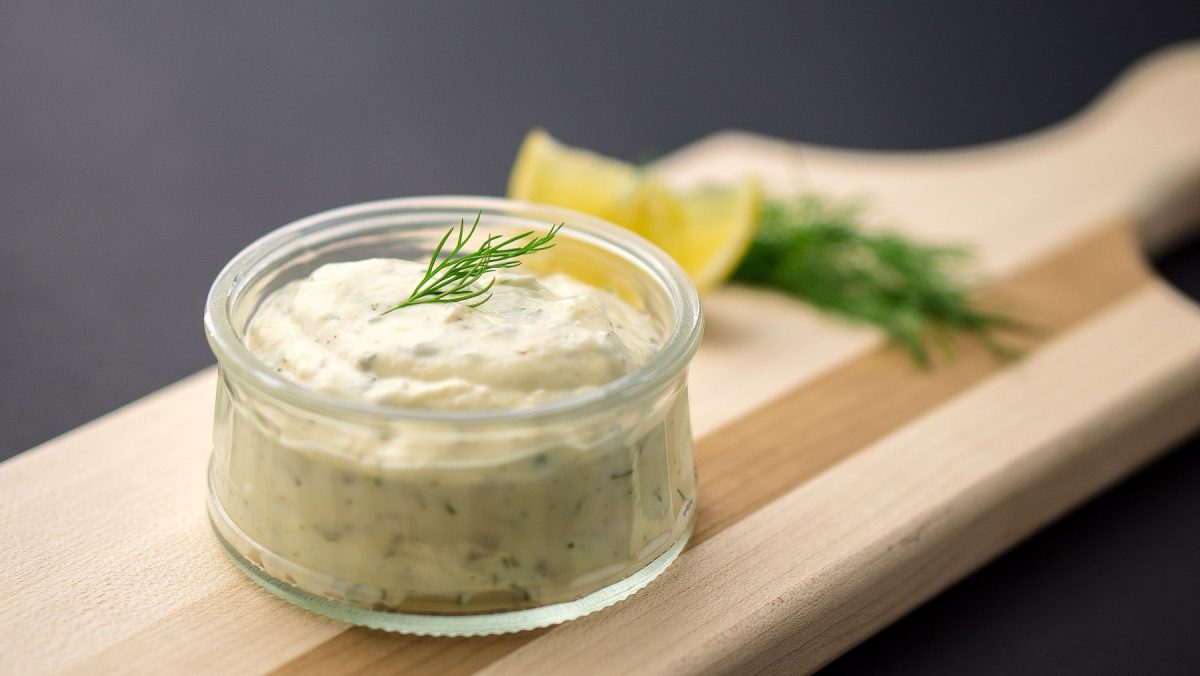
column 840, row 486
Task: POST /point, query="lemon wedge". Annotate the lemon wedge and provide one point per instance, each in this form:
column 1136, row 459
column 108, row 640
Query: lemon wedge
column 706, row 230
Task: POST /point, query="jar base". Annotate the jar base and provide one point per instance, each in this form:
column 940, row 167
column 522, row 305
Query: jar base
column 481, row 624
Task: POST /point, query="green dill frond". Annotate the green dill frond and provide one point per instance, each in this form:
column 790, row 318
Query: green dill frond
column 451, row 276
column 816, row 251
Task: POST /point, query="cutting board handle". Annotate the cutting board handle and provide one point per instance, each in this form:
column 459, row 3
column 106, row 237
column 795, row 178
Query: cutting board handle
column 1133, row 153
column 1150, row 118
column 1169, row 211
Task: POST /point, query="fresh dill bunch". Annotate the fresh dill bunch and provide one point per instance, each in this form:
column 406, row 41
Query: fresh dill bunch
column 816, row 251
column 452, row 278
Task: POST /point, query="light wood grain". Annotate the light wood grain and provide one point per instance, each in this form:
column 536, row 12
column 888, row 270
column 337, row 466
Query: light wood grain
column 839, row 486
column 763, row 455
column 826, row 564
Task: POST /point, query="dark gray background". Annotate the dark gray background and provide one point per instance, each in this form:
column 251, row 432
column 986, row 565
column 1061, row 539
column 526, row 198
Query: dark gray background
column 141, row 145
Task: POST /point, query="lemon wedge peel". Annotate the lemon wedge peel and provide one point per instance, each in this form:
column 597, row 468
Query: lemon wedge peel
column 707, row 229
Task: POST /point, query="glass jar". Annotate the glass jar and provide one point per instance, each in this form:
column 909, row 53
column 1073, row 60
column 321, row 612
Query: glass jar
column 452, row 522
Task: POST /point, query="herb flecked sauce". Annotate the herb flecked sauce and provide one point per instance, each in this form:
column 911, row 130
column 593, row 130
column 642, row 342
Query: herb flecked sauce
column 432, row 522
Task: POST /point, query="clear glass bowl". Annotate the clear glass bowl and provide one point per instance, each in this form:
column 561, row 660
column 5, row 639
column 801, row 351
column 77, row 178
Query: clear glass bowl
column 452, row 522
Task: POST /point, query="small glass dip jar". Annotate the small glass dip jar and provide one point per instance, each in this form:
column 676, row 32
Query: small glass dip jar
column 453, row 523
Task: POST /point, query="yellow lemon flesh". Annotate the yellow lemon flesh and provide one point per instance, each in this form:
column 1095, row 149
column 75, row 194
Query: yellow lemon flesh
column 706, row 230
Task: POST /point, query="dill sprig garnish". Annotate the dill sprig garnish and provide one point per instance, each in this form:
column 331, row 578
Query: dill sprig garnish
column 816, row 251
column 452, row 279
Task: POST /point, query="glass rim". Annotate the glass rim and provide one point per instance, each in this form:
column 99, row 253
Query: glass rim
column 664, row 366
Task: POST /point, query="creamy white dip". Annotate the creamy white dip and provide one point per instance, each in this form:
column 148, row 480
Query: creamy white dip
column 413, row 518
column 533, row 341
